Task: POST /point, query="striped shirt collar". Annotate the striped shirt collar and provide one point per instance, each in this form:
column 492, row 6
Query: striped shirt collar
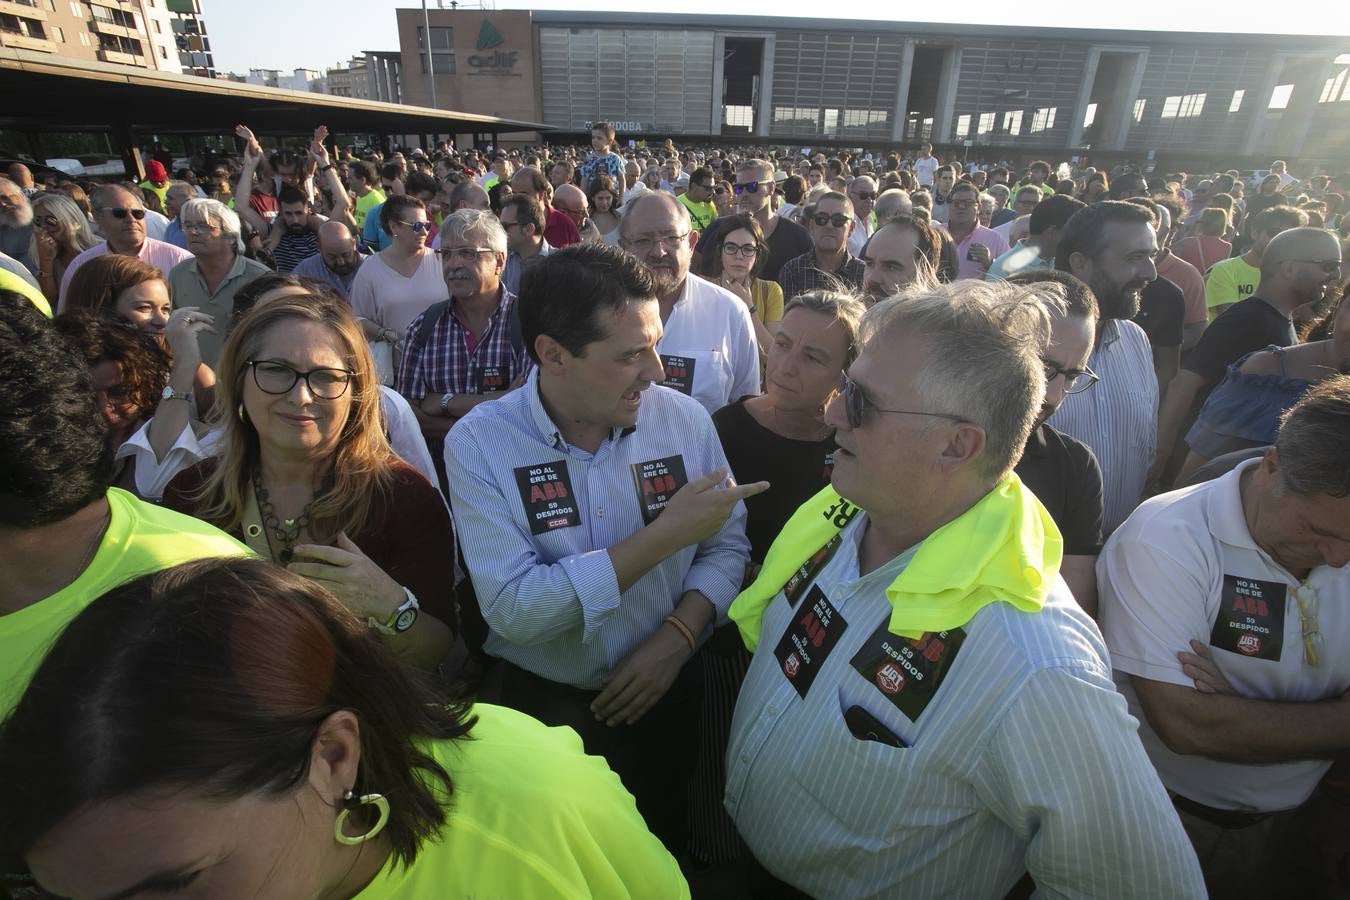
column 549, row 432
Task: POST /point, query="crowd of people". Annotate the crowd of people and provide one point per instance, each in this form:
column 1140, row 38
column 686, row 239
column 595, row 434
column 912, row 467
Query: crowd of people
column 664, row 522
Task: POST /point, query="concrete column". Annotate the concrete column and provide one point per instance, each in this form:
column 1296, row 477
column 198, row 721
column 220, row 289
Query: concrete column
column 718, row 76
column 902, row 92
column 1084, row 98
column 1127, row 91
column 1260, row 105
column 764, row 115
column 944, row 118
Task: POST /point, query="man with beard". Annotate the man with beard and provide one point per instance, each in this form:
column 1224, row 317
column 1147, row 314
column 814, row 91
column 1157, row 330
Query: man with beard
column 1110, row 246
column 1298, row 266
column 337, row 260
column 898, row 254
column 120, row 217
column 708, row 346
column 16, row 225
column 467, row 349
column 292, row 238
column 1061, row 471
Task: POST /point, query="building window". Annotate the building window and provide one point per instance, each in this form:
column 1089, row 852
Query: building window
column 26, row 27
column 962, row 126
column 1184, row 106
column 1337, row 88
column 1139, row 106
column 740, row 116
column 1012, row 122
column 1044, row 119
column 442, row 50
column 986, row 123
column 59, row 34
column 159, row 29
column 1090, row 116
column 1279, row 98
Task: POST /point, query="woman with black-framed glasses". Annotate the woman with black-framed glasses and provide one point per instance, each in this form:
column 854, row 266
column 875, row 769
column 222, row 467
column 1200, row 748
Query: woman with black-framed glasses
column 736, row 265
column 305, row 475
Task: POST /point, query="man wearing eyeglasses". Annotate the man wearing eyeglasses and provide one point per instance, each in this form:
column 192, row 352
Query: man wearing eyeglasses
column 1060, row 470
column 16, row 225
column 1226, row 608
column 522, row 219
column 708, row 342
column 560, row 230
column 1298, row 266
column 830, row 221
column 928, row 712
column 862, row 196
column 120, row 217
column 976, row 246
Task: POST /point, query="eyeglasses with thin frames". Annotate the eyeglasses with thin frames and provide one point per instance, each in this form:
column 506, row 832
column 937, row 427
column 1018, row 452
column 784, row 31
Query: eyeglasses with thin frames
column 273, row 377
column 644, row 245
column 462, row 254
column 855, row 405
column 1075, row 380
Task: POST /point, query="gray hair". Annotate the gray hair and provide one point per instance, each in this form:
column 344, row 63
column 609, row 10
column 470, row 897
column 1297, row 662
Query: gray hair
column 216, row 213
column 682, row 220
column 986, row 344
column 68, row 214
column 841, row 307
column 891, row 203
column 1314, row 441
column 471, row 224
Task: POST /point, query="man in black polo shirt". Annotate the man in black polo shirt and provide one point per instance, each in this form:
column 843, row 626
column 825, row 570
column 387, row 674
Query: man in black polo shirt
column 1298, row 267
column 1162, row 315
column 1062, row 471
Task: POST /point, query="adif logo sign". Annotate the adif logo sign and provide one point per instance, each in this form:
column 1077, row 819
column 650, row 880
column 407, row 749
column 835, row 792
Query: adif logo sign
column 498, row 61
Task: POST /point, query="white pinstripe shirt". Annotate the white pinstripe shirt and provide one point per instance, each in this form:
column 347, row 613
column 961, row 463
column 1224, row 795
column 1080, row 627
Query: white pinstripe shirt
column 539, row 563
column 1117, row 417
column 1024, row 760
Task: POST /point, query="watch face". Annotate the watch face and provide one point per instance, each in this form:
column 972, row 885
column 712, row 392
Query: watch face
column 405, row 620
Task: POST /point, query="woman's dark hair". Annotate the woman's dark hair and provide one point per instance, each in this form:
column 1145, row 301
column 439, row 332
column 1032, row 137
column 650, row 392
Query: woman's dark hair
column 55, row 458
column 604, row 183
column 143, row 363
column 214, row 676
column 395, row 208
column 733, row 223
column 564, row 294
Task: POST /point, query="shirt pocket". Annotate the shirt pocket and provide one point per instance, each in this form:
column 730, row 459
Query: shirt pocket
column 711, row 378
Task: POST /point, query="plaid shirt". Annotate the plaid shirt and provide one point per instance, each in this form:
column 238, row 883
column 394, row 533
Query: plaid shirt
column 801, row 274
column 444, row 363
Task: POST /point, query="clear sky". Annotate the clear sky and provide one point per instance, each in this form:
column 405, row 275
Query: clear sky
column 318, row 34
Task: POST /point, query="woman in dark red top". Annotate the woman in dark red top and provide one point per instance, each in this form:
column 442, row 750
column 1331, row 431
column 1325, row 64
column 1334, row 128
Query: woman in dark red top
column 306, row 477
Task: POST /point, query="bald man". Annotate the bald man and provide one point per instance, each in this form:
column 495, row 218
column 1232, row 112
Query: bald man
column 337, row 260
column 1299, row 266
column 892, row 203
column 23, row 177
column 569, row 200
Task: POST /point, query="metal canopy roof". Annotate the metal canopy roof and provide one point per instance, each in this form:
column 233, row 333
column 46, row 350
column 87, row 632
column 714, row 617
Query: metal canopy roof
column 44, row 92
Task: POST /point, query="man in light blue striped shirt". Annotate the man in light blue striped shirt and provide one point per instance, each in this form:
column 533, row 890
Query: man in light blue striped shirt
column 928, row 712
column 600, row 543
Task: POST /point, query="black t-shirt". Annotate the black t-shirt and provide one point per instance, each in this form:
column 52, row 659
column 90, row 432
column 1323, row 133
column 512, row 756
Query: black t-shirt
column 1162, row 311
column 1251, row 324
column 788, row 240
column 797, row 470
column 1063, row 474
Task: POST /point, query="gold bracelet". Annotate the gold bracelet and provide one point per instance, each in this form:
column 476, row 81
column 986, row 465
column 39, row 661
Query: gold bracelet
column 684, row 631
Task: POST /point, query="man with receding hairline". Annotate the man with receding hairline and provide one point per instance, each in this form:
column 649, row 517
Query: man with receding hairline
column 337, row 261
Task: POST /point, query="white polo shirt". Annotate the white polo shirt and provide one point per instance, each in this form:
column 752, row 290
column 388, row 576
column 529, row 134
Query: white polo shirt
column 708, row 347
column 1184, row 566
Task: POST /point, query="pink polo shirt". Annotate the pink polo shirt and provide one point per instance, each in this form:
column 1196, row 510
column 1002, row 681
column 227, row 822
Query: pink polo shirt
column 969, row 268
column 157, row 253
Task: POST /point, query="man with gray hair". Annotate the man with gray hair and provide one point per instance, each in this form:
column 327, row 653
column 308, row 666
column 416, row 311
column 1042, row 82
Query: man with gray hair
column 16, row 225
column 119, row 215
column 1226, row 607
column 892, row 203
column 209, row 279
column 466, row 349
column 929, row 712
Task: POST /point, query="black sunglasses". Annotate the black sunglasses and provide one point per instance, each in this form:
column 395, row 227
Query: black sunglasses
column 749, row 187
column 419, row 227
column 121, row 212
column 838, row 220
column 855, row 405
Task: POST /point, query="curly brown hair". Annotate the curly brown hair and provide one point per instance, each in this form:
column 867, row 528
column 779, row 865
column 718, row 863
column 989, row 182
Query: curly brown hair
column 137, row 355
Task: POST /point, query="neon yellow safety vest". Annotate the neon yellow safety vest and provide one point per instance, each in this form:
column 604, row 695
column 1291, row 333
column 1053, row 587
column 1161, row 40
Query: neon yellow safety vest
column 1006, row 547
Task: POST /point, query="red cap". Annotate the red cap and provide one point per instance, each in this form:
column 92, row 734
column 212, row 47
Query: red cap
column 155, row 171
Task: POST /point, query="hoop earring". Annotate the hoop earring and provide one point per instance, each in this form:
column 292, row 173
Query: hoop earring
column 241, row 413
column 350, row 803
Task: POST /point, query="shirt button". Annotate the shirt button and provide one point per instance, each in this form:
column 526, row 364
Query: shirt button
column 773, row 710
column 599, row 512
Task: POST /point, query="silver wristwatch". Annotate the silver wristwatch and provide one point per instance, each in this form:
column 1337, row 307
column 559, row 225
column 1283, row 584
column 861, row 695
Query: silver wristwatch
column 170, row 394
column 445, row 402
column 402, row 619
